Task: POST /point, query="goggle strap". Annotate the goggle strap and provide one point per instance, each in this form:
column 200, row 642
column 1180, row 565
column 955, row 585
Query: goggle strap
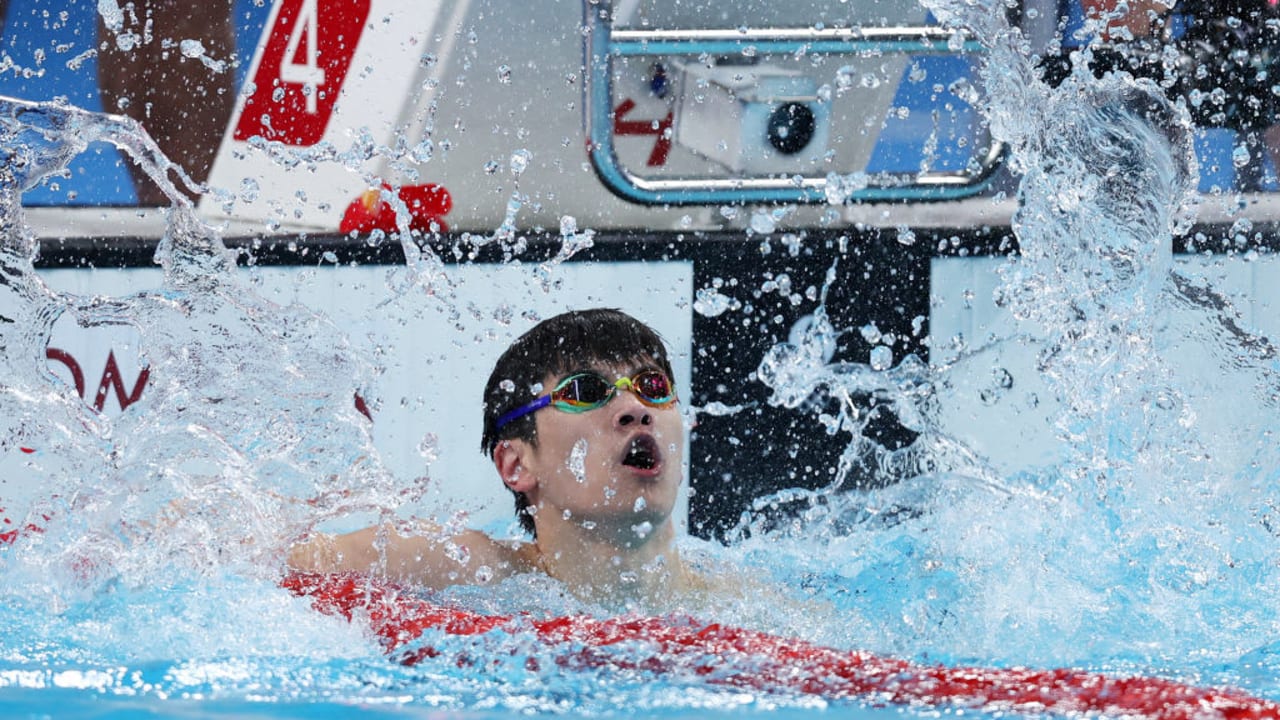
column 521, row 411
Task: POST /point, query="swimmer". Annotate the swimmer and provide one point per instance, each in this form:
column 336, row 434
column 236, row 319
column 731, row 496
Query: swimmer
column 581, row 421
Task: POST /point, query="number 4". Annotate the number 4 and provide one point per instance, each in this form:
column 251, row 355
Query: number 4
column 308, row 73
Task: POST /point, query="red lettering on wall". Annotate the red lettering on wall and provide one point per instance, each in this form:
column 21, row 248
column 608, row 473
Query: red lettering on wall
column 111, row 380
column 64, row 357
column 363, row 407
column 660, row 128
column 10, row 535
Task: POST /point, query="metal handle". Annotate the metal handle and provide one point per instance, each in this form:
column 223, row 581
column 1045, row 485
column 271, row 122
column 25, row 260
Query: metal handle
column 603, row 45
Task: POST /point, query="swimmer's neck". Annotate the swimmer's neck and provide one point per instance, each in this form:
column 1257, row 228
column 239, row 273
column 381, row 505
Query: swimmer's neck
column 595, row 566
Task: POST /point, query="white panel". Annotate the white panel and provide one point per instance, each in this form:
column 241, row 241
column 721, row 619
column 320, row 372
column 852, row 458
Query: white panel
column 1266, row 296
column 1230, row 276
column 992, row 397
column 1013, row 426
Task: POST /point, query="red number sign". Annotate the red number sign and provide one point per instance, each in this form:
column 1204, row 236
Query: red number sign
column 303, row 66
column 660, row 129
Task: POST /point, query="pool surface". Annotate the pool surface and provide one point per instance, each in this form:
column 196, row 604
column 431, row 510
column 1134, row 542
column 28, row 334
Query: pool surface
column 149, row 580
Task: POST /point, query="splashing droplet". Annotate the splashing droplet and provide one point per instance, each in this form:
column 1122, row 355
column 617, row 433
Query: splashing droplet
column 577, row 462
column 881, row 358
column 519, row 161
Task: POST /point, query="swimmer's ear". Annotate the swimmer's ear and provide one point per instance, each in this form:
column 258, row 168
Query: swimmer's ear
column 508, row 458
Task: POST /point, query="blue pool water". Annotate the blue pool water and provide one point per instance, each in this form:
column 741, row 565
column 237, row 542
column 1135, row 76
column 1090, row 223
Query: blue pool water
column 1135, row 552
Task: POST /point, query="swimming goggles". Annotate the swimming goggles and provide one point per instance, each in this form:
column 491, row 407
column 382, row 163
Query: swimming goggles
column 583, row 391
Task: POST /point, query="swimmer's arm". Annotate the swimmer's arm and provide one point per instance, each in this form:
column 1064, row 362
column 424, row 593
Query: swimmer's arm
column 429, row 557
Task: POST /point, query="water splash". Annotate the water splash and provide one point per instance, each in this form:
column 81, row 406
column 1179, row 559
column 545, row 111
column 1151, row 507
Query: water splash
column 798, row 371
column 949, row 556
column 247, row 436
column 1148, row 542
column 577, row 461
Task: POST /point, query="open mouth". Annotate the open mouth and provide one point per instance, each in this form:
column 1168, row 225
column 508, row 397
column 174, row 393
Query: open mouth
column 642, row 453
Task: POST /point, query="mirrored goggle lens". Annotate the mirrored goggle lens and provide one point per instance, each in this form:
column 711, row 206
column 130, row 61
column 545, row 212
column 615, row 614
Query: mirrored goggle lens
column 583, row 391
column 653, row 386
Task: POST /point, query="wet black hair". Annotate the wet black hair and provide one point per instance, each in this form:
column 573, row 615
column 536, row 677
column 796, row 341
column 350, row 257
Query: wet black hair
column 556, row 346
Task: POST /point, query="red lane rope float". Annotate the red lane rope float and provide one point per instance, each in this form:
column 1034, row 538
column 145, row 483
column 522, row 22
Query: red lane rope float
column 9, row 532
column 737, row 657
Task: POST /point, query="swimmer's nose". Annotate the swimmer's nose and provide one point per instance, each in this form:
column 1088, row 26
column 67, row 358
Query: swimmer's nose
column 630, row 411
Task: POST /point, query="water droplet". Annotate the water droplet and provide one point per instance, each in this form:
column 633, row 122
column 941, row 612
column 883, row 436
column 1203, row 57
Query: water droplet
column 429, row 447
column 1240, row 156
column 709, row 302
column 249, row 189
column 503, row 314
column 881, row 358
column 839, row 188
column 457, row 553
column 423, row 151
column 719, row 409
column 504, row 74
column 965, row 90
column 568, row 225
column 763, row 222
column 577, row 462
column 127, row 41
column 845, row 78
column 519, row 161
column 1002, row 378
column 112, row 15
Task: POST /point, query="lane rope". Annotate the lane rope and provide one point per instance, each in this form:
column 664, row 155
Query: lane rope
column 736, row 657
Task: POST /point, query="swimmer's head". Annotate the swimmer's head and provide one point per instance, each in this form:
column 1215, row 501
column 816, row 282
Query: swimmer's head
column 570, row 341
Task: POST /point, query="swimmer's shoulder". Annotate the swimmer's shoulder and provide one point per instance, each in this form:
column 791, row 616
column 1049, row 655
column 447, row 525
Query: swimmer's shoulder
column 475, row 557
column 710, row 577
column 505, row 556
column 716, row 581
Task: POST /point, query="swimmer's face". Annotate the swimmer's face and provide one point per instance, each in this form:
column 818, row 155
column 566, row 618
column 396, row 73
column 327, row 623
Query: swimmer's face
column 614, row 468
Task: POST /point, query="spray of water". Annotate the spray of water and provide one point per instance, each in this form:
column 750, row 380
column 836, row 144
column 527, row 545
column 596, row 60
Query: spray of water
column 248, row 434
column 1137, row 546
column 1149, row 540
